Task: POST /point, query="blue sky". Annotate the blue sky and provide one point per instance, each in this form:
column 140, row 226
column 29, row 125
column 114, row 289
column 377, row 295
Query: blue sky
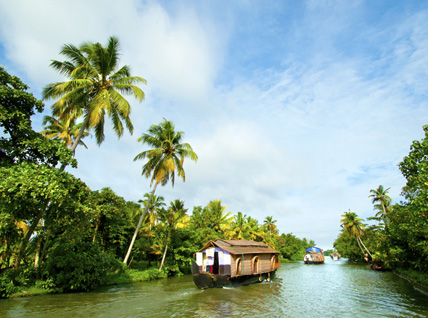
column 297, row 109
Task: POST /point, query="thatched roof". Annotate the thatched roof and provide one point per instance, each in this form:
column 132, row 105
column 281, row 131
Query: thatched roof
column 236, row 247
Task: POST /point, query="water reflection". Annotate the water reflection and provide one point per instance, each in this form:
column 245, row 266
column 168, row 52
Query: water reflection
column 332, row 289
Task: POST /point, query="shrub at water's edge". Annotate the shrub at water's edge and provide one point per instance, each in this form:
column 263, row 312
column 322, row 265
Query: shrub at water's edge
column 418, row 279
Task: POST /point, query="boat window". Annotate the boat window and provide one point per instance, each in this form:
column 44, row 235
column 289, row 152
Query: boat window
column 273, row 262
column 256, row 264
column 238, row 265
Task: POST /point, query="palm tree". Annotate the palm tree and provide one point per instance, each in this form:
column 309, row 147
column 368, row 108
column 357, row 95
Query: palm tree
column 238, row 226
column 63, row 129
column 94, row 89
column 355, row 227
column 164, row 160
column 171, row 217
column 221, row 220
column 254, row 229
column 269, row 223
column 380, row 196
column 156, row 203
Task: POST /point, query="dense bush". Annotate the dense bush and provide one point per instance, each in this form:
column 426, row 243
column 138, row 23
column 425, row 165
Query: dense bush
column 77, row 266
column 7, row 287
column 147, row 275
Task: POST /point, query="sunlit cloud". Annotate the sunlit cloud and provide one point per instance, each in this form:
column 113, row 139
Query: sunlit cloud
column 294, row 112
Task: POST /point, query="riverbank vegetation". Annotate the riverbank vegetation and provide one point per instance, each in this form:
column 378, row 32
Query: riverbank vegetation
column 397, row 238
column 57, row 234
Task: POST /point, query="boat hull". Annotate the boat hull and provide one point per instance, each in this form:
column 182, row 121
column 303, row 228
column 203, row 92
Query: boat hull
column 312, row 262
column 208, row 280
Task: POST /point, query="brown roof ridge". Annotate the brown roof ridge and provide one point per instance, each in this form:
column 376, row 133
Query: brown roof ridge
column 240, row 246
column 242, row 243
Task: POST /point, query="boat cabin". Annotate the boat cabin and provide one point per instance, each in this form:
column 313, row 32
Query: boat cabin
column 236, row 258
column 335, row 256
column 314, row 255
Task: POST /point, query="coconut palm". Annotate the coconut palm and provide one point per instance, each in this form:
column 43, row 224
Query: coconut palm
column 270, row 226
column 171, row 218
column 381, row 200
column 354, row 225
column 164, row 160
column 94, row 89
column 238, row 226
column 63, row 129
column 254, row 230
column 220, row 219
column 156, row 203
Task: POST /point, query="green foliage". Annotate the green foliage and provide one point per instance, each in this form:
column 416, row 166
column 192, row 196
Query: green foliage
column 77, row 266
column 347, row 246
column 19, row 142
column 408, row 222
column 291, row 247
column 166, row 158
column 147, row 275
column 111, row 223
column 417, row 277
column 95, row 88
column 210, row 222
column 7, row 287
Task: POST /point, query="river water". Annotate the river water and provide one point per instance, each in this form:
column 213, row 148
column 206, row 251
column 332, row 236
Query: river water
column 333, row 289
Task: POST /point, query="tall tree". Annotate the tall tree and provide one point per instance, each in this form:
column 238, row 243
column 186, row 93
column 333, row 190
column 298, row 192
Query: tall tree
column 255, row 231
column 381, row 200
column 239, row 226
column 26, row 154
column 95, row 88
column 269, row 223
column 164, row 161
column 355, row 227
column 220, row 219
column 171, row 217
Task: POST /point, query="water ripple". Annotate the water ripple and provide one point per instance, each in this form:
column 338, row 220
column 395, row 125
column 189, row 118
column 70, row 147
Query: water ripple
column 332, row 289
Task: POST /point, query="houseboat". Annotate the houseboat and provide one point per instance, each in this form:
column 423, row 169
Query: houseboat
column 335, row 256
column 314, row 255
column 231, row 263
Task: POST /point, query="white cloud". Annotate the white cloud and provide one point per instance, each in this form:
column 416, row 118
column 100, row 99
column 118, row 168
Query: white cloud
column 304, row 141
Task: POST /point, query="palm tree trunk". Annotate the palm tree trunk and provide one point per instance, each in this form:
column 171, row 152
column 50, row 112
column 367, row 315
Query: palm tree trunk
column 168, row 238
column 365, row 247
column 163, row 257
column 359, row 245
column 95, row 231
column 37, row 256
column 76, row 141
column 27, row 236
column 139, row 224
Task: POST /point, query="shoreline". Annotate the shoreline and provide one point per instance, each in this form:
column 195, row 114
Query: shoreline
column 417, row 286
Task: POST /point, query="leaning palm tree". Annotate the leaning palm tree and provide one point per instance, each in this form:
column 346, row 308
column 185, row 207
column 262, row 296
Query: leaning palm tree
column 381, row 200
column 171, row 217
column 164, row 161
column 94, row 89
column 63, row 129
column 354, row 225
